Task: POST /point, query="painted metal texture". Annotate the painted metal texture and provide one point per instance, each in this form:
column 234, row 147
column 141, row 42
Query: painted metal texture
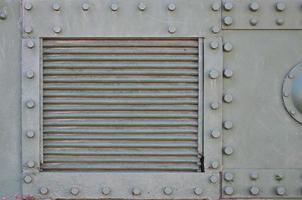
column 151, row 99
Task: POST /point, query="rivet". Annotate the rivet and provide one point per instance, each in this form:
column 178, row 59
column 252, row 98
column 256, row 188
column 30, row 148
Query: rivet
column 136, row 191
column 3, row 14
column 214, row 44
column 292, row 112
column 213, row 179
column 171, row 7
column 228, row 125
column 215, row 29
column 114, row 7
column 254, row 190
column 106, row 190
column 213, row 74
column 56, row 6
column 254, row 6
column 227, row 73
column 172, row 29
column 30, row 44
column 28, row 29
column 279, row 21
column 286, row 94
column 141, row 6
column 198, row 191
column 216, row 6
column 254, row 175
column 168, row 190
column 30, row 164
column 30, row 104
column 74, row 191
column 85, row 6
column 228, row 6
column 227, row 47
column 57, row 29
column 30, row 134
column 27, row 179
column 278, row 177
column 280, row 190
column 228, row 190
column 227, row 98
column 214, row 164
column 214, row 105
column 280, row 6
column 43, row 190
column 228, row 176
column 228, row 20
column 253, row 21
column 215, row 133
column 28, row 6
column 30, row 74
column 228, row 150
column 291, row 76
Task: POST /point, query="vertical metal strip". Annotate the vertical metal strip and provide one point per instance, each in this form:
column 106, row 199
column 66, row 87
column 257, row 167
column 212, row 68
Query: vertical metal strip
column 200, row 96
column 40, row 78
column 213, row 66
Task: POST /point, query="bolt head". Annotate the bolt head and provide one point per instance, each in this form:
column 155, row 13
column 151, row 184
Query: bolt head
column 228, row 176
column 171, row 7
column 136, row 191
column 228, row 150
column 30, row 164
column 28, row 6
column 28, row 29
column 57, row 29
column 228, row 6
column 214, row 105
column 214, row 164
column 279, row 21
column 227, row 20
column 27, row 179
column 280, row 190
column 106, row 190
column 280, row 6
column 253, row 21
column 30, row 134
column 74, row 191
column 141, row 6
column 227, row 47
column 198, row 191
column 227, row 73
column 168, row 190
column 171, row 29
column 85, row 6
column 213, row 74
column 254, row 6
column 43, row 190
column 216, row 6
column 30, row 44
column 114, row 7
column 254, row 190
column 214, row 44
column 254, row 175
column 227, row 98
column 228, row 190
column 215, row 133
column 30, row 74
column 215, row 29
column 213, row 179
column 227, row 125
column 3, row 14
column 56, row 6
column 30, row 104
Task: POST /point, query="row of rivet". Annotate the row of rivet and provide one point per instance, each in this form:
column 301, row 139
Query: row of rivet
column 114, row 7
column 253, row 7
column 135, row 191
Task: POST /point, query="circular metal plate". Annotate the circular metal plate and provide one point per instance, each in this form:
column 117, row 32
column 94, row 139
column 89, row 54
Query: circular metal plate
column 292, row 92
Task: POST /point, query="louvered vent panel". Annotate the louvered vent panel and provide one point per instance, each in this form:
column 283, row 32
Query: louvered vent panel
column 120, row 104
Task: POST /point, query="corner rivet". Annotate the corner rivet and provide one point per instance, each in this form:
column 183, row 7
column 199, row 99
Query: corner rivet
column 27, row 179
column 228, row 190
column 214, row 105
column 3, row 14
column 228, row 176
column 254, row 175
column 228, row 20
column 213, row 74
column 280, row 190
column 172, row 29
column 30, row 164
column 213, row 179
column 228, row 6
column 56, row 6
column 141, row 6
column 228, row 150
column 30, row 44
column 85, row 6
column 280, row 6
column 43, row 190
column 254, row 6
column 168, row 190
column 30, row 104
column 253, row 21
column 136, row 191
column 279, row 21
column 228, row 125
column 28, row 6
column 215, row 29
column 30, row 74
column 214, row 164
column 106, row 190
column 227, row 98
column 214, row 44
column 254, row 190
column 227, row 47
column 28, row 29
column 216, row 6
column 215, row 133
column 30, row 134
column 198, row 191
column 57, row 29
column 74, row 191
column 171, row 7
column 227, row 73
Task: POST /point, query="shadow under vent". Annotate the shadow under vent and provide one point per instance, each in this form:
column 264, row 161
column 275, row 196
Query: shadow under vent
column 120, row 104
